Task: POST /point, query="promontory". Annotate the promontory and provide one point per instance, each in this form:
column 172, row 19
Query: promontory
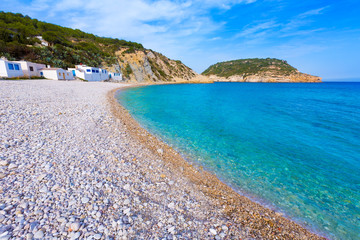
column 257, row 70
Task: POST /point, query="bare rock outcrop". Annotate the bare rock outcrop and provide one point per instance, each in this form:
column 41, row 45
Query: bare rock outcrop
column 297, row 77
column 147, row 66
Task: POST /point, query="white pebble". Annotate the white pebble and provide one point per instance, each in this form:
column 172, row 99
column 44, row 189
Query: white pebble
column 213, row 231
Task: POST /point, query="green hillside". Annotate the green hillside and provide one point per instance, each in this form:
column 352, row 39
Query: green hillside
column 251, row 66
column 67, row 46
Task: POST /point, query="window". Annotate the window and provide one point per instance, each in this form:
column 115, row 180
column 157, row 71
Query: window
column 93, row 70
column 31, row 69
column 16, row 66
column 11, row 66
column 41, row 74
column 88, row 70
column 97, row 71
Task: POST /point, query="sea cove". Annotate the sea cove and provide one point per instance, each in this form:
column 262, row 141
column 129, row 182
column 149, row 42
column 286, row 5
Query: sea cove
column 292, row 147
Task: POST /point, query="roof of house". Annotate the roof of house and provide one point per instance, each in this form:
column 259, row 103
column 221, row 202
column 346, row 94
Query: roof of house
column 50, row 69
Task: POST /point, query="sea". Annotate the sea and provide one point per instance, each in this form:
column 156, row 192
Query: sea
column 292, row 147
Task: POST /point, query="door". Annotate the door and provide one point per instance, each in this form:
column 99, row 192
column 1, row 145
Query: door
column 64, row 76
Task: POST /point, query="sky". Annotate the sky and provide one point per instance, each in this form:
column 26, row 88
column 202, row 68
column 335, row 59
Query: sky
column 319, row 37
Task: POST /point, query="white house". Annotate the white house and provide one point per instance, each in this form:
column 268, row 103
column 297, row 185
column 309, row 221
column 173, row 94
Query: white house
column 115, row 76
column 56, row 74
column 10, row 69
column 43, row 42
column 89, row 73
column 31, row 69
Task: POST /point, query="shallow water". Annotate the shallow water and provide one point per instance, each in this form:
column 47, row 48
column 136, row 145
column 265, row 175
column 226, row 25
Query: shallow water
column 293, row 147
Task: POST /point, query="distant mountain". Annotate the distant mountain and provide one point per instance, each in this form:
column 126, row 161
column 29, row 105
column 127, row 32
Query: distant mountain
column 22, row 37
column 257, row 70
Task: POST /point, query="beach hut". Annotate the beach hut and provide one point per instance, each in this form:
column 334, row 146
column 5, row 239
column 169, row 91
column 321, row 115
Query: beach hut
column 31, row 69
column 56, row 74
column 10, row 69
column 117, row 77
column 89, row 73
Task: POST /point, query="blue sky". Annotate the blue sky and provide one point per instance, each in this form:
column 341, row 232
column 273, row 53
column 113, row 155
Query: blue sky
column 317, row 37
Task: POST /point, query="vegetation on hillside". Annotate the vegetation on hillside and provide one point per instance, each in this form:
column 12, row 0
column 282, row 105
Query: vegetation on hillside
column 251, row 66
column 68, row 47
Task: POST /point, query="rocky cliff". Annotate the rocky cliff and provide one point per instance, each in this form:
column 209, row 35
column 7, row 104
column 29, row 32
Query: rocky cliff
column 257, row 70
column 145, row 65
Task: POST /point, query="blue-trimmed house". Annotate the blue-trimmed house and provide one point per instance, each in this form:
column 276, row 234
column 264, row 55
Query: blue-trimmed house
column 10, row 69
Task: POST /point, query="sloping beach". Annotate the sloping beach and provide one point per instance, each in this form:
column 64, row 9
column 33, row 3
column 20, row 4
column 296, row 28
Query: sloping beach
column 74, row 164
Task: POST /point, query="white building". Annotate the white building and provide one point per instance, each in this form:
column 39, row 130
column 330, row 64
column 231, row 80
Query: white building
column 31, row 69
column 115, row 76
column 43, row 42
column 9, row 69
column 89, row 73
column 56, row 74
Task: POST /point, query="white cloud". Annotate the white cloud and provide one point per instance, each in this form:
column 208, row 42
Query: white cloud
column 294, row 26
column 258, row 29
column 313, row 12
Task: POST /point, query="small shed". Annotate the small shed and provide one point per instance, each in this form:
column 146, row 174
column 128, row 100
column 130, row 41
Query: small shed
column 115, row 76
column 56, row 74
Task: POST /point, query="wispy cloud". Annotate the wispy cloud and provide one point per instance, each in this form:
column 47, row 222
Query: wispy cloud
column 313, row 12
column 272, row 28
column 257, row 29
column 136, row 19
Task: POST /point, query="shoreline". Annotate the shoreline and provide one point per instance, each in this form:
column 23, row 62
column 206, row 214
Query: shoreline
column 242, row 211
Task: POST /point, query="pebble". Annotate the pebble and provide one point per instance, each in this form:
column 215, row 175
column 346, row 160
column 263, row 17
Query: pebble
column 213, row 231
column 171, row 229
column 97, row 236
column 39, row 234
column 12, row 166
column 41, row 177
column 85, row 200
column 4, row 163
column 5, row 236
column 29, row 236
column 75, row 226
column 75, row 235
column 127, row 211
column 43, row 189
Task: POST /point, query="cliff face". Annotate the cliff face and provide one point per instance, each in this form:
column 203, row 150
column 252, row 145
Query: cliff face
column 149, row 66
column 296, row 77
column 257, row 70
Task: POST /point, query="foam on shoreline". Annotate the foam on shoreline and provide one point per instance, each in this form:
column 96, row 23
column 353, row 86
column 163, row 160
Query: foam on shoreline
column 241, row 211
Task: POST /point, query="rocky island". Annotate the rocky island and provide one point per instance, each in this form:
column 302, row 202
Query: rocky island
column 257, row 70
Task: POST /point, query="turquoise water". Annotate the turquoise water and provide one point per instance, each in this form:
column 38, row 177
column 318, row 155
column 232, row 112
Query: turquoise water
column 292, row 147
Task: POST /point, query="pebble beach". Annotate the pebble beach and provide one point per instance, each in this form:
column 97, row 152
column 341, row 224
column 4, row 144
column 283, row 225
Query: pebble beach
column 75, row 165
